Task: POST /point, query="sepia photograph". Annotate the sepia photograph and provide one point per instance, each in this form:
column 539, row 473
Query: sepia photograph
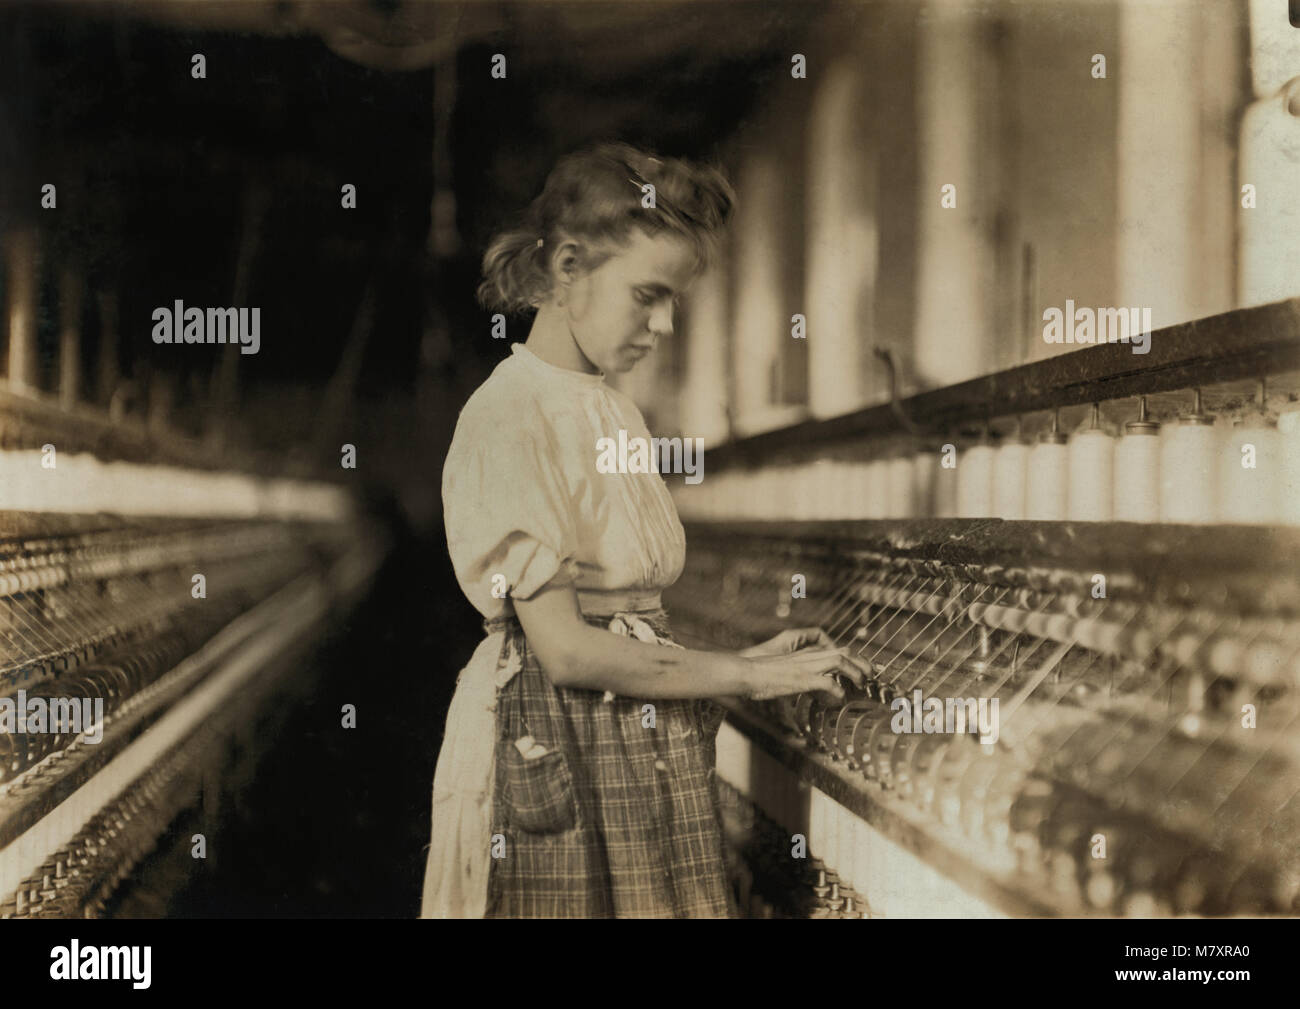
column 770, row 459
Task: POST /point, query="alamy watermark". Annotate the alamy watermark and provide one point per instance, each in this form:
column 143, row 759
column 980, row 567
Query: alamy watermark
column 64, row 716
column 949, row 715
column 75, row 962
column 651, row 455
column 1102, row 325
column 179, row 324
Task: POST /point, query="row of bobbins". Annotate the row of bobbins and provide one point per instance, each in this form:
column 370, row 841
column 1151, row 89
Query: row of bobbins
column 1189, row 471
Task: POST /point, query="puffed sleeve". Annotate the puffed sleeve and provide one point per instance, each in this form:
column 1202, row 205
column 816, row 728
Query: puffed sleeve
column 510, row 523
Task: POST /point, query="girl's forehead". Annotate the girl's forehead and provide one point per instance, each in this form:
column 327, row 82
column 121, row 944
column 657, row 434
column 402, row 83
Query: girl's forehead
column 664, row 257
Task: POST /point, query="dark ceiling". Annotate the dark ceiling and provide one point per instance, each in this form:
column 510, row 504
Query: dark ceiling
column 228, row 187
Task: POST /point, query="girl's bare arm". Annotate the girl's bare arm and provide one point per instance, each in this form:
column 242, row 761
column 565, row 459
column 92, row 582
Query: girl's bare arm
column 576, row 654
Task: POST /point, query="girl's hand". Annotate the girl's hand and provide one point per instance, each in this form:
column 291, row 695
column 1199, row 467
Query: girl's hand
column 807, row 670
column 790, row 641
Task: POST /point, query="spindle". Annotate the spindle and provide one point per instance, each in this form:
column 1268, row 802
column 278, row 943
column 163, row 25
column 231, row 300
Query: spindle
column 945, row 484
column 1288, row 426
column 1189, row 453
column 1048, row 476
column 820, row 495
column 1010, row 465
column 925, row 468
column 975, row 480
column 1249, row 471
column 1091, row 473
column 902, row 489
column 877, row 502
column 1137, row 470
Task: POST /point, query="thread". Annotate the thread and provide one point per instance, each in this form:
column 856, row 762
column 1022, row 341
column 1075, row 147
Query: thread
column 1189, row 460
column 902, row 489
column 1250, row 481
column 1091, row 473
column 975, row 481
column 751, row 499
column 853, row 479
column 1288, row 427
column 878, row 503
column 1250, row 494
column 845, row 501
column 815, row 488
column 1048, row 476
column 857, row 477
column 1010, row 467
column 765, row 493
column 945, row 485
column 925, row 466
column 1137, row 470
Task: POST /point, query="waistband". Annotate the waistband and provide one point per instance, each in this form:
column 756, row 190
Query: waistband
column 599, row 603
column 599, row 606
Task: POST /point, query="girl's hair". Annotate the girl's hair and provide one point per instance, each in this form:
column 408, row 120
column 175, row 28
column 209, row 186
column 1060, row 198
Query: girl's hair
column 594, row 196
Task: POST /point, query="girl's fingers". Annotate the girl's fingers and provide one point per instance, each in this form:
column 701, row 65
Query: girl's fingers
column 833, row 660
column 818, row 660
column 861, row 671
column 822, row 662
column 851, row 669
column 814, row 636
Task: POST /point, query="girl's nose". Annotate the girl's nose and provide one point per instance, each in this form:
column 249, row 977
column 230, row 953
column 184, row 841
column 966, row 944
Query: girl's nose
column 661, row 319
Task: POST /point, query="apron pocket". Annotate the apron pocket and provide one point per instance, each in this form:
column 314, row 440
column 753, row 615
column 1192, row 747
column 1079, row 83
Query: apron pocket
column 711, row 715
column 538, row 792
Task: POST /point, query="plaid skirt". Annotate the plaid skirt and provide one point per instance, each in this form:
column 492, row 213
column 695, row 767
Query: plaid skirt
column 604, row 806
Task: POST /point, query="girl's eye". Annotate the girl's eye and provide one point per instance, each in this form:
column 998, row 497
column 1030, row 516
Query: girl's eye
column 647, row 299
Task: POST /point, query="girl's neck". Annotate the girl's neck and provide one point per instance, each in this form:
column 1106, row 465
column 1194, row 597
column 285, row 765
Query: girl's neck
column 552, row 340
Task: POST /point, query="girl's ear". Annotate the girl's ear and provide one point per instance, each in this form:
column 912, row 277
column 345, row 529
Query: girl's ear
column 567, row 263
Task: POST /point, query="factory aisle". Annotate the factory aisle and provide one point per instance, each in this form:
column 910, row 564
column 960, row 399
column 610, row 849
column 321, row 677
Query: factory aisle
column 334, row 821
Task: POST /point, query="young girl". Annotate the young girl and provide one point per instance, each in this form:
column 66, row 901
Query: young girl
column 576, row 777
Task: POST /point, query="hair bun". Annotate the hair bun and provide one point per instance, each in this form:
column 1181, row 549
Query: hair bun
column 586, row 198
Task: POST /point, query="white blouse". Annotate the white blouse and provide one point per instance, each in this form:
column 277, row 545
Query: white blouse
column 525, row 505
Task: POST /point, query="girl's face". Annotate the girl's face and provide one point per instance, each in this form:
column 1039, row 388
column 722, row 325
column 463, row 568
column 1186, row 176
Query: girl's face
column 618, row 311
